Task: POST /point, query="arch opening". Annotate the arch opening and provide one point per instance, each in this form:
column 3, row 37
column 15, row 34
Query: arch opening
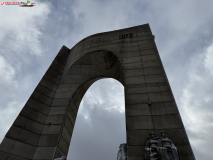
column 100, row 124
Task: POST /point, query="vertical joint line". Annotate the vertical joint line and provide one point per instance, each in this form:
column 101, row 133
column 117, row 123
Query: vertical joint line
column 146, row 85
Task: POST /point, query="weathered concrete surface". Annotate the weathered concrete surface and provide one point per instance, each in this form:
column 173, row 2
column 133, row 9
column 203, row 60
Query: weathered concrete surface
column 44, row 127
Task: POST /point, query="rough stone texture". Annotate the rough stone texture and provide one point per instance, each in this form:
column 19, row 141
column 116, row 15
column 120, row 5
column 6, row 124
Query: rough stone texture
column 44, row 127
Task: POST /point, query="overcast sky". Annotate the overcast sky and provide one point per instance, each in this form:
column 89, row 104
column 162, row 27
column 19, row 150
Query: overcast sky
column 31, row 37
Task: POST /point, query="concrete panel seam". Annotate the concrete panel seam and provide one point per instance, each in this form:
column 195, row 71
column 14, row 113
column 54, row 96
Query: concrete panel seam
column 15, row 155
column 148, row 92
column 153, row 115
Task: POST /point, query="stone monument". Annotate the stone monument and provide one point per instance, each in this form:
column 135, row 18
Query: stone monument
column 160, row 148
column 44, row 127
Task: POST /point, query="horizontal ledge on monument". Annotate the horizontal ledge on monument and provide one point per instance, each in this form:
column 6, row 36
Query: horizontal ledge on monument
column 44, row 88
column 154, row 115
column 28, row 107
column 22, row 141
column 154, row 122
column 61, row 102
column 61, row 99
column 145, row 81
column 83, row 64
column 60, row 106
column 36, row 96
column 43, row 113
column 36, row 101
column 61, row 87
column 152, row 129
column 175, row 114
column 139, row 61
column 20, row 134
column 147, row 85
column 53, row 74
column 14, row 156
column 31, row 119
column 145, row 145
column 133, row 42
column 51, row 79
column 75, row 83
column 147, row 75
column 152, row 102
column 51, row 129
column 142, row 68
column 143, row 75
column 44, row 79
column 146, row 102
column 52, row 68
column 44, row 153
column 149, row 92
column 140, row 54
column 19, row 122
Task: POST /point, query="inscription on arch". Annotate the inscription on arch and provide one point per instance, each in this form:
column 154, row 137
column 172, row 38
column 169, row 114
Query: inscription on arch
column 124, row 36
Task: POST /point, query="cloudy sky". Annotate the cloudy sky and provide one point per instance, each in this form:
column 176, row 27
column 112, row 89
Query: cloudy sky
column 30, row 38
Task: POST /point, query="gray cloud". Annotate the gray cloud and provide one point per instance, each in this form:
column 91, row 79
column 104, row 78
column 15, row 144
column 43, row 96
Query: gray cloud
column 196, row 102
column 20, row 35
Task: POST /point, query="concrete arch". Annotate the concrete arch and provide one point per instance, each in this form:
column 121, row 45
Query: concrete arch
column 43, row 129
